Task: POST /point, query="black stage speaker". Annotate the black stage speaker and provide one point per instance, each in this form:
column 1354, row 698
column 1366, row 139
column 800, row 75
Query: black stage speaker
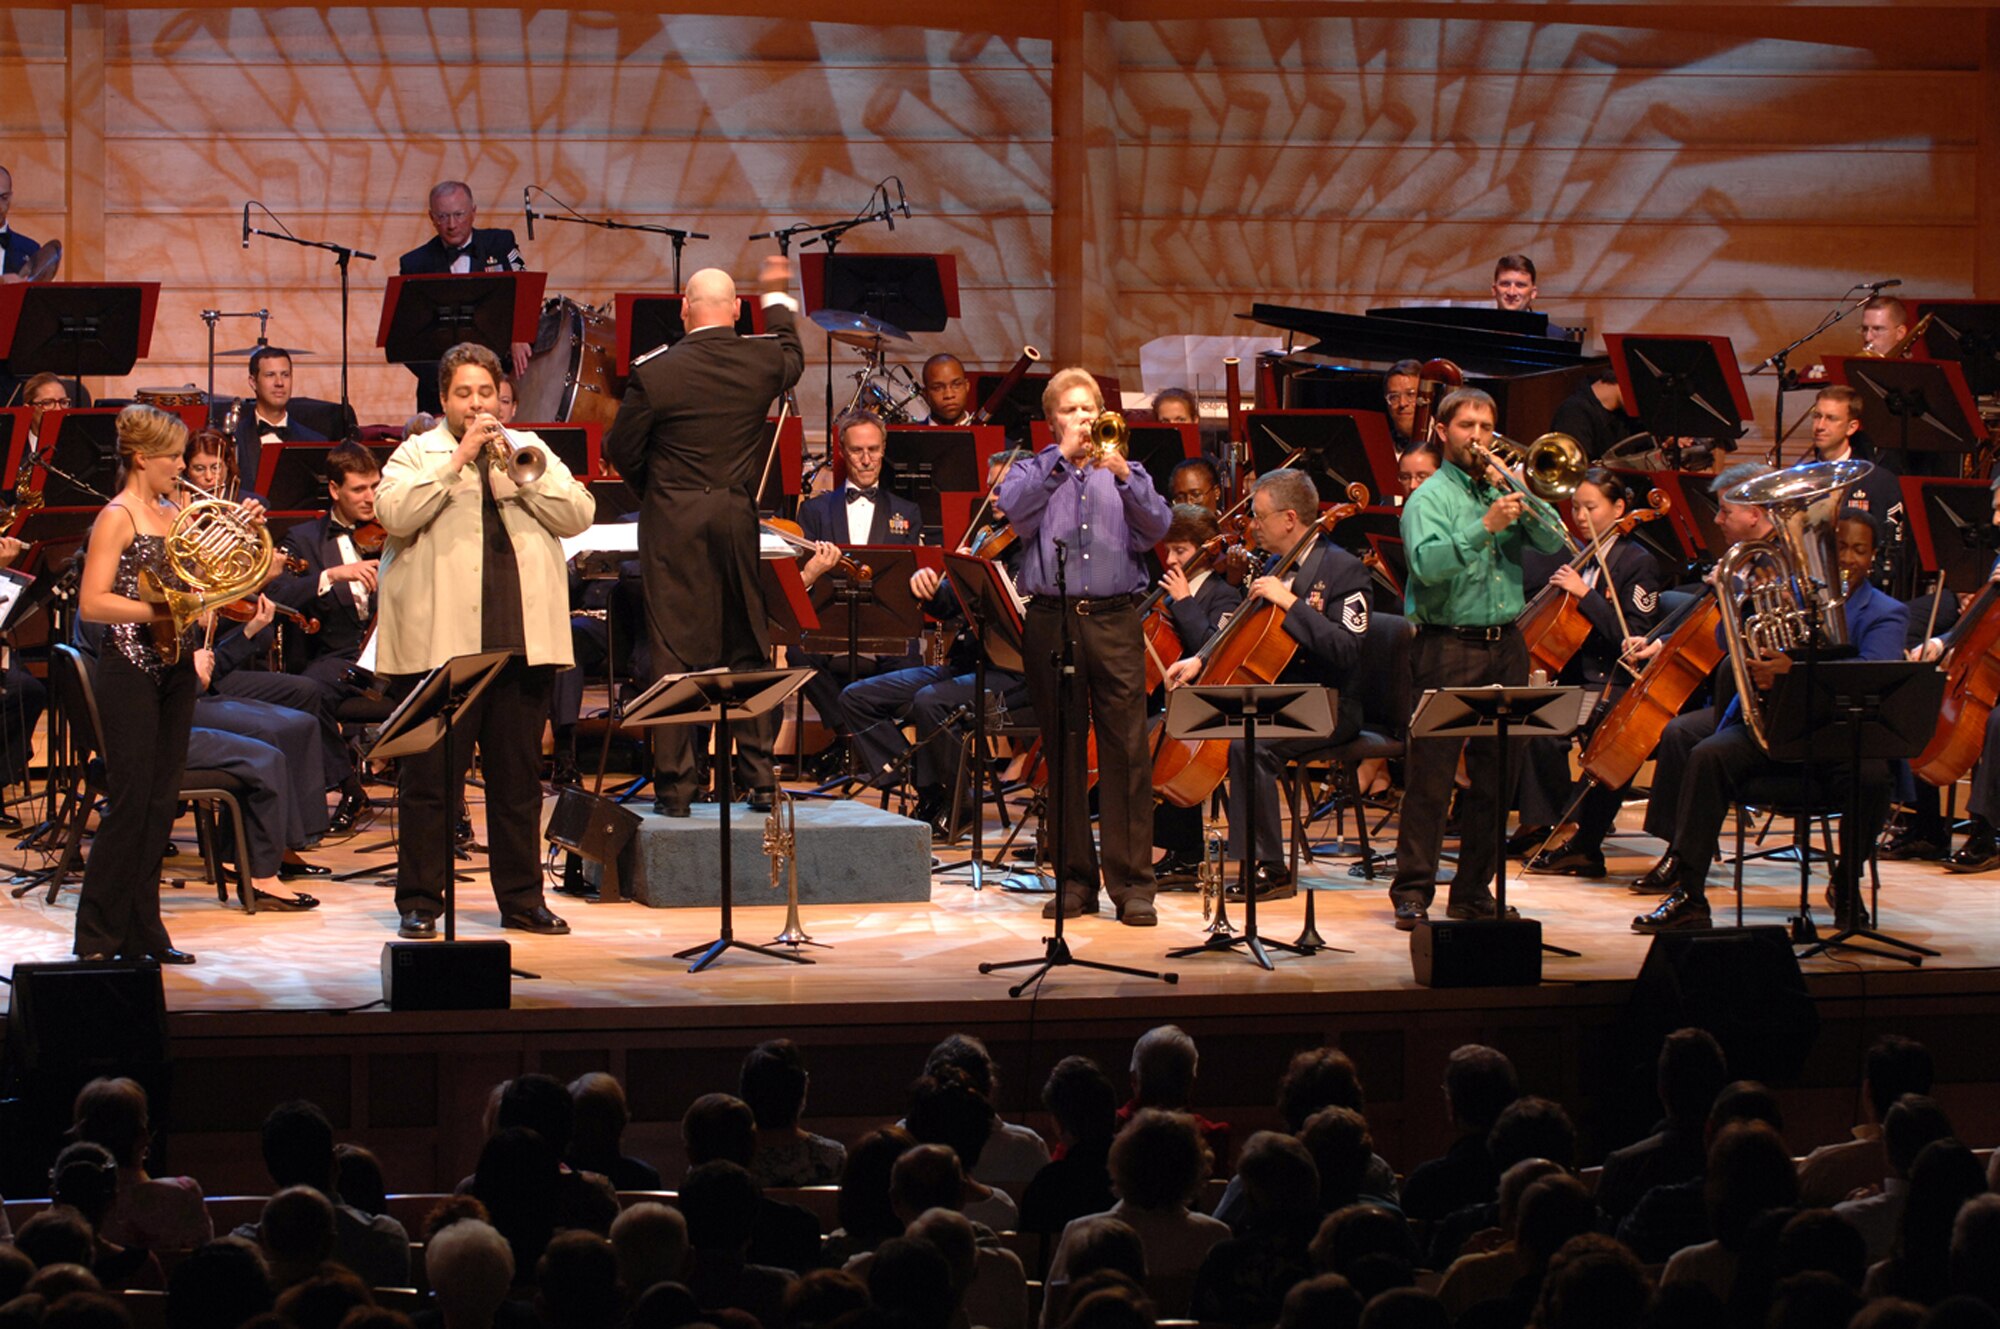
column 67, row 1024
column 1741, row 984
column 447, row 975
column 1493, row 954
column 597, row 830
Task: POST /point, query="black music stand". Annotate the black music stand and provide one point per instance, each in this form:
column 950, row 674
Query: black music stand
column 76, row 328
column 1335, row 448
column 1499, row 713
column 1159, row 448
column 719, row 698
column 1681, row 387
column 1951, row 524
column 424, row 720
column 878, row 614
column 1246, row 714
column 78, row 455
column 292, row 476
column 1924, row 405
column 1967, row 331
column 994, row 620
column 1851, row 711
column 425, row 315
column 920, row 462
column 650, row 322
column 908, row 290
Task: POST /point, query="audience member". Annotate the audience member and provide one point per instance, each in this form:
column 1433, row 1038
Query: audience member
column 652, row 1243
column 599, row 1117
column 719, row 1199
column 664, row 1306
column 357, row 1179
column 823, row 1297
column 1015, row 1153
column 87, row 1310
column 1367, row 1245
column 910, row 1279
column 773, row 1082
column 15, row 1270
column 1490, row 1273
column 1529, row 1127
column 576, row 1282
column 1975, row 1250
column 1405, row 1308
column 1344, row 1153
column 56, row 1236
column 1894, row 1066
column 1324, row 1301
column 1809, row 1300
column 867, row 1216
column 542, row 1104
column 946, row 1108
column 470, row 1267
column 297, row 1234
column 1479, row 1083
column 989, row 1283
column 1691, row 1073
column 1748, row 1172
column 1819, row 1241
column 1165, row 1062
column 721, row 1127
column 517, row 1182
column 1110, row 1307
column 324, row 1300
column 1912, row 1122
column 1673, row 1215
column 1244, row 1279
column 152, row 1213
column 1316, row 1079
column 1944, row 1176
column 1592, row 1282
column 298, row 1151
column 1077, row 1179
column 1092, row 1245
column 85, row 1180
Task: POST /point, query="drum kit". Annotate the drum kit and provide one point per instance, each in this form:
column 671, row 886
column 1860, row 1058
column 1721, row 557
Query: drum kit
column 878, row 382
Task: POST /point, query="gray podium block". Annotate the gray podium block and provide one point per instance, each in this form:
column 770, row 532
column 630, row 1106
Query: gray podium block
column 849, row 853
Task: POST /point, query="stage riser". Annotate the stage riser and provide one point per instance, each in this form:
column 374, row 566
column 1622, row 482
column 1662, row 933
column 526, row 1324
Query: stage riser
column 849, row 853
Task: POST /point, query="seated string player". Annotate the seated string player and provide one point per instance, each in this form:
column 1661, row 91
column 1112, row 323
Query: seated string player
column 1197, row 604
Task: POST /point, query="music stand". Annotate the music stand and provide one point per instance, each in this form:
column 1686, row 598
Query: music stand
column 1924, row 405
column 993, row 618
column 1335, row 448
column 1499, row 713
column 919, row 462
column 1681, row 387
column 77, row 457
column 424, row 720
column 76, row 328
column 1159, row 448
column 1692, row 516
column 292, row 476
column 649, row 322
column 426, row 314
column 1951, row 524
column 1850, row 711
column 719, row 697
column 1967, row 331
column 1246, row 714
column 878, row 614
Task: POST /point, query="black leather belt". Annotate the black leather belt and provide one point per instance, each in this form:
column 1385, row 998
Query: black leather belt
column 1102, row 605
column 1492, row 634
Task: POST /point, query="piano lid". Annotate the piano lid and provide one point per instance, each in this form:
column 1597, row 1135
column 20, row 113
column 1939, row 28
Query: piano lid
column 1378, row 337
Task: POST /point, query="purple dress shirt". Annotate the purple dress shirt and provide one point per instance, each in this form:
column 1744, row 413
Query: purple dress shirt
column 1106, row 523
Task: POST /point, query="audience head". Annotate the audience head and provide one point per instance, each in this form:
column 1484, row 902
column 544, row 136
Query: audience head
column 1821, row 1241
column 1553, row 1210
column 298, row 1146
column 822, row 1297
column 1164, row 1063
column 1942, row 1179
column 927, row 1176
column 651, row 1240
column 719, row 1126
column 52, row 1282
column 1109, row 1302
column 910, row 1278
column 1748, row 1173
column 517, row 1179
column 56, row 1236
column 1321, row 1077
column 968, row 1054
column 324, row 1300
column 947, row 1108
column 1896, row 1066
column 951, row 1234
column 87, row 1310
column 1961, row 1313
column 297, row 1232
column 1159, row 1161
column 112, row 1112
column 541, row 1104
column 357, row 1179
column 671, row 1305
column 85, row 1178
column 453, row 1209
column 866, row 1214
column 1353, row 1239
column 773, row 1082
column 1514, row 1183
column 1744, row 1101
column 1975, row 1249
column 1809, row 1300
column 1081, row 1099
column 1280, row 1181
column 470, row 1267
column 1691, row 1073
column 1341, row 1148
column 1591, row 1282
column 719, row 1202
column 576, row 1282
column 1103, row 1242
column 1405, row 1308
column 15, row 1271
column 1324, row 1301
column 1912, row 1122
column 220, row 1284
column 1532, row 1128
column 1479, row 1083
column 598, row 1114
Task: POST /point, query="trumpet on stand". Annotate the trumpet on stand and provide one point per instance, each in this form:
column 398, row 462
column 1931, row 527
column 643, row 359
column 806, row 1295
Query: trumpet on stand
column 781, row 846
column 1209, row 879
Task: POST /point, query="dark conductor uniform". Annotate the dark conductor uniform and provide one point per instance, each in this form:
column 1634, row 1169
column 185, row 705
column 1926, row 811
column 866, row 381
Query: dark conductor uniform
column 690, row 439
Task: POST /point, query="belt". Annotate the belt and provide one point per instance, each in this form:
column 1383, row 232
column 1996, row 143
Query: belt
column 1104, row 604
column 1493, row 634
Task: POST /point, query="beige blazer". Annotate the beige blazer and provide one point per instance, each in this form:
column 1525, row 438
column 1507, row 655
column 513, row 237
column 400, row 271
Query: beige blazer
column 431, row 570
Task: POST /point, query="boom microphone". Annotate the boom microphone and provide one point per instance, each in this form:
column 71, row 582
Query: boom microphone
column 246, row 225
column 528, row 212
column 902, row 201
column 1881, row 285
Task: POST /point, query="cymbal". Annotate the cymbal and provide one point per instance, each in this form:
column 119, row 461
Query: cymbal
column 857, row 329
column 252, row 350
column 43, row 266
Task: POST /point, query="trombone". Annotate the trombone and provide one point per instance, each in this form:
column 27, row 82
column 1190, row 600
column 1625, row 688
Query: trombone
column 1554, row 465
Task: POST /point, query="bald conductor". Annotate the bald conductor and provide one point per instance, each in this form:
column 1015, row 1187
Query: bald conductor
column 690, row 439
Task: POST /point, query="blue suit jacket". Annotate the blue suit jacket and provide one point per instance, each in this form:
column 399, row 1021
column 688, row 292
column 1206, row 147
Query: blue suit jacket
column 20, row 249
column 1876, row 624
column 825, row 518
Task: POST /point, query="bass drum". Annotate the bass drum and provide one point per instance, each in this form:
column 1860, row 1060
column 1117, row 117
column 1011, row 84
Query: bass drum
column 570, row 376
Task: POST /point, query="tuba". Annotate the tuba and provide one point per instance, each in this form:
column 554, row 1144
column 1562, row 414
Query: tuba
column 218, row 553
column 1787, row 591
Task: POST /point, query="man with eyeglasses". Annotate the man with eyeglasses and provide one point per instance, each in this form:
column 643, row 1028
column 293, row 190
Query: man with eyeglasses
column 947, row 391
column 461, row 247
column 1399, row 395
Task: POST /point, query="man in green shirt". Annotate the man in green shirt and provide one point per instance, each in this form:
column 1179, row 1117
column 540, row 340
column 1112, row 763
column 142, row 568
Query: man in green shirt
column 1463, row 536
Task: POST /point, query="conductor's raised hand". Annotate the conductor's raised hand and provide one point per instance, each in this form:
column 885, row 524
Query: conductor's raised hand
column 775, row 275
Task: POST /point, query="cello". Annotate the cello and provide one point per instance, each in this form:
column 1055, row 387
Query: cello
column 1553, row 624
column 1971, row 662
column 1252, row 647
column 1631, row 729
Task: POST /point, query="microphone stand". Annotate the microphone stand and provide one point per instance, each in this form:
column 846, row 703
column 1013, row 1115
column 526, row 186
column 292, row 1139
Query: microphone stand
column 343, row 256
column 675, row 234
column 1777, row 360
column 829, row 234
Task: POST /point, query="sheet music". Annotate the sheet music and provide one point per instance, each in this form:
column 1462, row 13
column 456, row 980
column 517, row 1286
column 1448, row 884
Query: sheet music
column 609, row 537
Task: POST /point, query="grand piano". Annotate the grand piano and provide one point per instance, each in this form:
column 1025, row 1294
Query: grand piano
column 1528, row 364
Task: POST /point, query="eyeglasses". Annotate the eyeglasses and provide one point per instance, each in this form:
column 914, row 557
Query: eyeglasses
column 452, row 217
column 55, row 402
column 1399, row 396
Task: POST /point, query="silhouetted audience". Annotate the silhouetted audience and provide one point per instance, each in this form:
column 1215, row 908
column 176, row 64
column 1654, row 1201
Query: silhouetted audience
column 1077, row 1178
column 1894, row 1066
column 298, row 1151
column 1479, row 1083
column 1165, row 1063
column 773, row 1082
column 1014, row 1153
column 1690, row 1074
column 597, row 1134
column 720, row 1127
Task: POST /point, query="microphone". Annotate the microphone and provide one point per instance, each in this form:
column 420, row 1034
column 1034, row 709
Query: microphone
column 528, row 212
column 901, row 200
column 246, row 225
column 1881, row 285
column 888, row 208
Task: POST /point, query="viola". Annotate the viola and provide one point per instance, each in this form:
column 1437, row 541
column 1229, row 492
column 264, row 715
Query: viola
column 1553, row 624
column 794, row 537
column 1252, row 647
column 1971, row 662
column 1433, row 375
column 1631, row 729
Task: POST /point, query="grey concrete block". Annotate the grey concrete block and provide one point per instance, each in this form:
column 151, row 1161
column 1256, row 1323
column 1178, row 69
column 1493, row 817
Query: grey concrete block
column 849, row 853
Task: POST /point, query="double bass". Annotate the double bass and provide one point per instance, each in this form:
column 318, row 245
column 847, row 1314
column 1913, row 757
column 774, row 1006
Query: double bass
column 1433, row 375
column 1252, row 647
column 1971, row 662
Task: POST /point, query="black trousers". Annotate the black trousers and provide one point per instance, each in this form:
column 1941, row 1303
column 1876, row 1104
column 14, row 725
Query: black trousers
column 1441, row 658
column 873, row 711
column 146, row 728
column 317, row 697
column 505, row 725
column 1271, row 758
column 1108, row 691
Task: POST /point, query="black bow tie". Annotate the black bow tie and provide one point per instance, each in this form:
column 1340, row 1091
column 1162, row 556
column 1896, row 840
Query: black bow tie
column 855, row 495
column 463, row 251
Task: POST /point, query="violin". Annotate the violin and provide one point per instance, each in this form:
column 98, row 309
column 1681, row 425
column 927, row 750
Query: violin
column 1553, row 625
column 1252, row 647
column 1971, row 663
column 1631, row 729
column 1435, row 373
column 794, row 537
column 242, row 611
column 991, row 540
column 369, row 540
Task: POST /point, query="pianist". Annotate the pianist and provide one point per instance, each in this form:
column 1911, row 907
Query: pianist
column 1514, row 283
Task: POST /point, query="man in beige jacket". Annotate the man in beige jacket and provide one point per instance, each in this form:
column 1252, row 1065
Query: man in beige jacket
column 473, row 564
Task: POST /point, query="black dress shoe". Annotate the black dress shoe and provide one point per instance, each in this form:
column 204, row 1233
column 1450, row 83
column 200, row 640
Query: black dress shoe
column 1526, row 840
column 1911, row 847
column 1978, row 854
column 758, row 800
column 345, row 813
column 462, row 833
column 1567, row 860
column 295, row 903
column 1177, row 871
column 1408, row 914
column 294, row 871
column 171, row 956
column 1137, row 913
column 1069, row 905
column 564, row 771
column 1662, row 877
column 671, row 807
column 1480, row 909
column 537, row 920
column 418, row 926
column 1677, row 911
column 9, row 822
column 1272, row 880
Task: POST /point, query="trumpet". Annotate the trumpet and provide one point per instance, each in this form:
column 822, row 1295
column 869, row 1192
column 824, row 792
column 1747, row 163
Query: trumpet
column 1109, row 435
column 1553, row 466
column 1209, row 879
column 781, row 846
column 523, row 463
